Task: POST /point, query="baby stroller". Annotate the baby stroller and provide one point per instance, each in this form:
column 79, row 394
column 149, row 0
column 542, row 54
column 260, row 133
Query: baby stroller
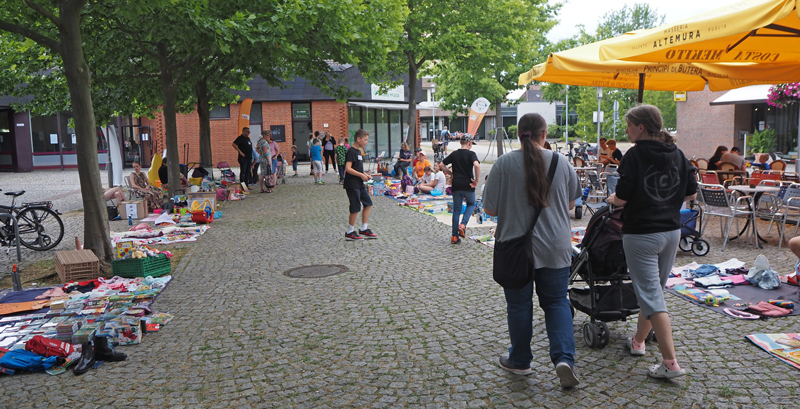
column 601, row 265
column 227, row 174
column 438, row 152
column 280, row 170
column 691, row 240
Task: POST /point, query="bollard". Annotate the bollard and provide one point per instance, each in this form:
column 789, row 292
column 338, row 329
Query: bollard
column 15, row 279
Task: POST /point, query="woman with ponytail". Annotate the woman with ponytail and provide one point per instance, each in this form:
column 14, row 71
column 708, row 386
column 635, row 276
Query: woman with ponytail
column 655, row 180
column 518, row 187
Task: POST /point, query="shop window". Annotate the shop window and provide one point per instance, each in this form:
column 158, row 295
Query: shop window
column 44, row 134
column 395, row 132
column 69, row 141
column 255, row 113
column 369, row 126
column 220, row 112
column 6, row 144
column 354, row 119
column 382, row 134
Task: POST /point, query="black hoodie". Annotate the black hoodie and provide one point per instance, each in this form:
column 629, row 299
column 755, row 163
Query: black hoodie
column 654, row 179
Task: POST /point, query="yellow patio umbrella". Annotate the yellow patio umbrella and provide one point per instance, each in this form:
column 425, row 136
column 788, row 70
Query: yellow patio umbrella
column 756, row 31
column 582, row 66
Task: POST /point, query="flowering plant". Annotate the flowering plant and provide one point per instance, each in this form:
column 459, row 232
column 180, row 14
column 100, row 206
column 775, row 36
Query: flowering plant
column 782, row 95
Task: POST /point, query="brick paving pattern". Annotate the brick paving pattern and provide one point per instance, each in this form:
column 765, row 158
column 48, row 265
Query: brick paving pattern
column 415, row 322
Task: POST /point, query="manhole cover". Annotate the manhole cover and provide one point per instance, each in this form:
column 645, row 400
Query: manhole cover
column 317, row 271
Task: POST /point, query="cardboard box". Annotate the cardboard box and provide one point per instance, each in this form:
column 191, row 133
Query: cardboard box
column 137, row 209
column 202, row 196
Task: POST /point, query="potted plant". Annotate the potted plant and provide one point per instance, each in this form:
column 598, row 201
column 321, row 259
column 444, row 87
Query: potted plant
column 762, row 143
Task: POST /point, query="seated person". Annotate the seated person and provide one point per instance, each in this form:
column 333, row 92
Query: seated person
column 114, row 193
column 604, row 153
column 403, row 161
column 735, row 157
column 141, row 184
column 163, row 175
column 616, row 154
column 431, row 181
column 420, row 164
column 716, row 158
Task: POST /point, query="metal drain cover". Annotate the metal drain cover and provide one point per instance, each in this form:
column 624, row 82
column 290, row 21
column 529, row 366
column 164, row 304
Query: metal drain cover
column 316, row 271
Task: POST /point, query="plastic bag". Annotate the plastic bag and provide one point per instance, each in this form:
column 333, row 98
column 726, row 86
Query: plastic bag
column 762, row 275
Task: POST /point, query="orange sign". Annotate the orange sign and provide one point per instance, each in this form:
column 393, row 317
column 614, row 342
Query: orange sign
column 244, row 114
column 476, row 113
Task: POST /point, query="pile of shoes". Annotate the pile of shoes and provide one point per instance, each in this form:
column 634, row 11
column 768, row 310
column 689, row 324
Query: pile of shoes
column 94, row 351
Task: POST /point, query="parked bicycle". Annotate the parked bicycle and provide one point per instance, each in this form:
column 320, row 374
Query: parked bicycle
column 40, row 227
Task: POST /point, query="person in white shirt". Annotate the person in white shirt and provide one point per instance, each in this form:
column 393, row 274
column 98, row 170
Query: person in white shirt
column 604, row 152
column 431, row 181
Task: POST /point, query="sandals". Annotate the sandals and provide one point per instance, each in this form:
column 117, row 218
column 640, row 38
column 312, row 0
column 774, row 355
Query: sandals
column 740, row 314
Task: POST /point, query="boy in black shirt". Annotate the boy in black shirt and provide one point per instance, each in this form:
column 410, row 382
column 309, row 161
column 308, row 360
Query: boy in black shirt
column 466, row 171
column 354, row 178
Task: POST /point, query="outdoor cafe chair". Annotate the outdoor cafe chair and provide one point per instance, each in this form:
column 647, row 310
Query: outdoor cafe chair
column 788, row 201
column 778, row 165
column 718, row 203
column 701, row 164
column 790, row 177
column 596, row 198
column 709, row 177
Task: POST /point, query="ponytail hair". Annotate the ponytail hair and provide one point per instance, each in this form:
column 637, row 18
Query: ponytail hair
column 650, row 117
column 530, row 130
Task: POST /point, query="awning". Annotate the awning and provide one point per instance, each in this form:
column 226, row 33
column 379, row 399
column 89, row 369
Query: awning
column 379, row 105
column 754, row 94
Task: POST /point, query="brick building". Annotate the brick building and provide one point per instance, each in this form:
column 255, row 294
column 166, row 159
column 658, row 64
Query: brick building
column 709, row 119
column 291, row 113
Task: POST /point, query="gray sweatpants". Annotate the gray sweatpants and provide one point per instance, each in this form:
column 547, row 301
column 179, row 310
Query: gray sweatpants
column 650, row 258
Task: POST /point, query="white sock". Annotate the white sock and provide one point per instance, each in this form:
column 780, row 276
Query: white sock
column 350, row 228
column 363, row 226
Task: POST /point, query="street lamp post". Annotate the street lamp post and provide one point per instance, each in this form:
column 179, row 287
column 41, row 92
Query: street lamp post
column 433, row 109
column 599, row 116
column 566, row 132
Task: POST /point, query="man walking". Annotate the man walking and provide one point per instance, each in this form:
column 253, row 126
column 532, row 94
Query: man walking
column 244, row 147
column 464, row 162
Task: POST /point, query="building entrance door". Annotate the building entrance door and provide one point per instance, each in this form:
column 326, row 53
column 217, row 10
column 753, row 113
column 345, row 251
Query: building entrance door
column 300, row 131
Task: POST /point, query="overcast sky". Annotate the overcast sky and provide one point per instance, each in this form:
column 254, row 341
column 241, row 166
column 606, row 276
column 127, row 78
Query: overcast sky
column 590, row 12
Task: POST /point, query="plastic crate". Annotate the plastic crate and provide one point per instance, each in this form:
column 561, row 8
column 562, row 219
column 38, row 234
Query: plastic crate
column 142, row 267
column 77, row 265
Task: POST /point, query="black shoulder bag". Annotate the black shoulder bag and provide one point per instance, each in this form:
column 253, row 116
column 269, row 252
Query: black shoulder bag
column 513, row 259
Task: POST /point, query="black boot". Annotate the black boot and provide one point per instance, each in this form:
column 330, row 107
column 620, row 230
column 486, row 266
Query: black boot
column 86, row 360
column 104, row 352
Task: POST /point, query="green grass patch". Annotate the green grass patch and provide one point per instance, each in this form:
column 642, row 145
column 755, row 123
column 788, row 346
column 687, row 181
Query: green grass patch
column 42, row 272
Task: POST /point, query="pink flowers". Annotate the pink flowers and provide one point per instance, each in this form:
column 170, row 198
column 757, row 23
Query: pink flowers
column 782, row 95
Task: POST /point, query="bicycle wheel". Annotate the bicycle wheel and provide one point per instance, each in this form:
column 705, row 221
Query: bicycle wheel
column 40, row 228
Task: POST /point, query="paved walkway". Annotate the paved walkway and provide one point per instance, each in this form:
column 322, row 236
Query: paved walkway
column 416, row 322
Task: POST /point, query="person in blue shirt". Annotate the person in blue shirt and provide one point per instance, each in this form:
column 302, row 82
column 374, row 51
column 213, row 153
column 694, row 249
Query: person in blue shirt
column 316, row 161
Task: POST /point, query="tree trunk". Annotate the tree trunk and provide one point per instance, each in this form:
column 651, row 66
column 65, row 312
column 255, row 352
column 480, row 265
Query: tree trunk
column 169, row 90
column 204, row 118
column 498, row 136
column 412, row 103
column 95, row 216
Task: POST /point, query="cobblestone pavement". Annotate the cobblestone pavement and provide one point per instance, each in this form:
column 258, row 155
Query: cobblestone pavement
column 415, row 322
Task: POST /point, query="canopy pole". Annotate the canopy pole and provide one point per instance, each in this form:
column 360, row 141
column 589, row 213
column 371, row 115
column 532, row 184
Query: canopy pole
column 641, row 87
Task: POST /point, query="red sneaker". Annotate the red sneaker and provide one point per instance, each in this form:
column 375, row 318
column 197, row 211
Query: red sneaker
column 455, row 240
column 352, row 236
column 368, row 234
column 462, row 230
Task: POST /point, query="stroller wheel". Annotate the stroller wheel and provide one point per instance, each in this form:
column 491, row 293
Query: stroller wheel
column 686, row 243
column 604, row 335
column 590, row 335
column 578, row 212
column 651, row 337
column 700, row 247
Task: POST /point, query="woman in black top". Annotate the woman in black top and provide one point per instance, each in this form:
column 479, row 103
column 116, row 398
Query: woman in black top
column 655, row 180
column 714, row 162
column 328, row 150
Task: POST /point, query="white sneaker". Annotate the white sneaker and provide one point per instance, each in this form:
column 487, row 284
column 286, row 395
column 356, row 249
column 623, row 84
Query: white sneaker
column 634, row 352
column 660, row 371
column 566, row 375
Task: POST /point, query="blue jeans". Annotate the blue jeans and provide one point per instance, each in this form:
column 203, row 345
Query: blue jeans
column 460, row 196
column 551, row 288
